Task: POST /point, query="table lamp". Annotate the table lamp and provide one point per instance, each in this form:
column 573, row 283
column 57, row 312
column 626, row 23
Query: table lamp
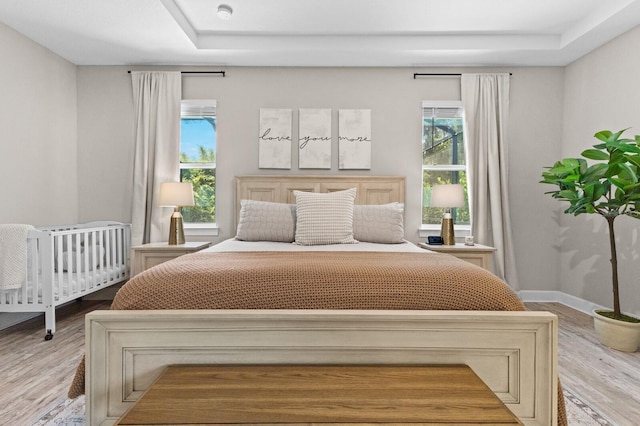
column 447, row 196
column 176, row 194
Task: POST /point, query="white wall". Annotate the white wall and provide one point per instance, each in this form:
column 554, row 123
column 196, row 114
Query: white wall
column 536, row 129
column 602, row 91
column 38, row 144
column 394, row 97
column 105, row 144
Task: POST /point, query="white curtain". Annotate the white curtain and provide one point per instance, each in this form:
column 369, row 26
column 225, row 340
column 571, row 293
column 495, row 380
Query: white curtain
column 486, row 105
column 156, row 100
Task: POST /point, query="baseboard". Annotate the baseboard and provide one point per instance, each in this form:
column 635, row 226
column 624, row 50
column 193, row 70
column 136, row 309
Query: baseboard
column 560, row 297
column 10, row 319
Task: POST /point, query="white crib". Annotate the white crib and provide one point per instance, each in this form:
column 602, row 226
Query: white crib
column 67, row 263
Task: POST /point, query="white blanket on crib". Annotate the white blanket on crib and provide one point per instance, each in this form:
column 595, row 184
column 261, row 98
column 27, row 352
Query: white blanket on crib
column 13, row 255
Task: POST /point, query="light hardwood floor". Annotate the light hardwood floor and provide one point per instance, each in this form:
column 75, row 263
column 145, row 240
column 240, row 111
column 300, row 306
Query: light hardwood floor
column 608, row 380
column 35, row 374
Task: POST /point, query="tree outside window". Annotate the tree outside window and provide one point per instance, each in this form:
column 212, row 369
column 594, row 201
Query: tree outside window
column 443, row 159
column 198, row 159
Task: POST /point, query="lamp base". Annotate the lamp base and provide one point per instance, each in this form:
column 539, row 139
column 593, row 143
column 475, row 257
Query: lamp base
column 446, row 232
column 176, row 229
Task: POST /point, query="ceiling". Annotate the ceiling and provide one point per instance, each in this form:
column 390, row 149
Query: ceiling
column 322, row 32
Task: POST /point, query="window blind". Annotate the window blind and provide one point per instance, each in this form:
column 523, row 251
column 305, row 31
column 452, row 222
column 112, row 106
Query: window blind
column 198, row 108
column 442, row 109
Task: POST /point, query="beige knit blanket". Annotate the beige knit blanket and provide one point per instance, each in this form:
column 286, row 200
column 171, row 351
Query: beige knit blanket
column 317, row 280
column 13, row 255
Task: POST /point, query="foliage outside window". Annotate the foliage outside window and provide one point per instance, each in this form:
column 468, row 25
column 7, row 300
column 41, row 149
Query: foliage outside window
column 443, row 158
column 198, row 158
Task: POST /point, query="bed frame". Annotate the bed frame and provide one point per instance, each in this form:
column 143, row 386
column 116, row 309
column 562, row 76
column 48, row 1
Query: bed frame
column 514, row 353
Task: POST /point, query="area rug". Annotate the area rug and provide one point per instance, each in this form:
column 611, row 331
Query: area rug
column 71, row 413
column 579, row 413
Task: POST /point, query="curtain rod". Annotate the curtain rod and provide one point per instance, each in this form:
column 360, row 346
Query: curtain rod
column 197, row 72
column 417, row 74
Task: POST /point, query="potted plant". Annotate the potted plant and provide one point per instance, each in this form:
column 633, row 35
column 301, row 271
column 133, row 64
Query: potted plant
column 609, row 187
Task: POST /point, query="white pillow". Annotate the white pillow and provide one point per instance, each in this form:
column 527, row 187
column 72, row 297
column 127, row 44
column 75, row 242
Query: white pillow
column 266, row 221
column 90, row 259
column 79, row 243
column 382, row 223
column 324, row 218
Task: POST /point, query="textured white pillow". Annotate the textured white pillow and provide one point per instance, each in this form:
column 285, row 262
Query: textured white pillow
column 324, row 218
column 91, row 262
column 382, row 223
column 266, row 221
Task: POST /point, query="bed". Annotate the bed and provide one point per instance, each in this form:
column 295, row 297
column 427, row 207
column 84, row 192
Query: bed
column 58, row 264
column 374, row 302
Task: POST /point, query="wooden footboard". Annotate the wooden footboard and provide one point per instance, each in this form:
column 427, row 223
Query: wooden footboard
column 514, row 353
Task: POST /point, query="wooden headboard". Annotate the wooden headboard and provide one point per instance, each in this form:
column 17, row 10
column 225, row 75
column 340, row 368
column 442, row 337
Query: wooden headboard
column 279, row 189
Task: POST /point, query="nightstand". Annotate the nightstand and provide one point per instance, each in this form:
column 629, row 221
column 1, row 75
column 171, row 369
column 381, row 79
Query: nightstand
column 147, row 255
column 477, row 254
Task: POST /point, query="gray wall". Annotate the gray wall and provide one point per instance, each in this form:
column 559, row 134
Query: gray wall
column 602, row 91
column 38, row 143
column 66, row 143
column 394, row 97
column 105, row 144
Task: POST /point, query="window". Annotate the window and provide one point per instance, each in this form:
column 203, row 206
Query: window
column 198, row 159
column 443, row 158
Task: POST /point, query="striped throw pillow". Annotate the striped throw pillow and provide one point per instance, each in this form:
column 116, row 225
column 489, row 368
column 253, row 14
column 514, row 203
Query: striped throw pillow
column 324, row 218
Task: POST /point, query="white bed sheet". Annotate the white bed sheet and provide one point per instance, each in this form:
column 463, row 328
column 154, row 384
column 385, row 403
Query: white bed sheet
column 233, row 244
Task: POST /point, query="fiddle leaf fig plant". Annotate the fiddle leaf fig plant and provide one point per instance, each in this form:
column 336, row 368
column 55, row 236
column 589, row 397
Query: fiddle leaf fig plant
column 608, row 187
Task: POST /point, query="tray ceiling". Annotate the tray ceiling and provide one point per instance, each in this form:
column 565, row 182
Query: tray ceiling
column 322, row 32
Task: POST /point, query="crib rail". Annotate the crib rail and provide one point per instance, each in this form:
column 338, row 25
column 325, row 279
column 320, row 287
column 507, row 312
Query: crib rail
column 69, row 262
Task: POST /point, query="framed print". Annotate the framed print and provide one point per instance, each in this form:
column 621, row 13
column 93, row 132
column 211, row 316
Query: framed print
column 314, row 139
column 274, row 140
column 354, row 139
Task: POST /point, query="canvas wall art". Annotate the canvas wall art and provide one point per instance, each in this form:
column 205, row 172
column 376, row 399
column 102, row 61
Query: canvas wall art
column 274, row 140
column 314, row 139
column 354, row 139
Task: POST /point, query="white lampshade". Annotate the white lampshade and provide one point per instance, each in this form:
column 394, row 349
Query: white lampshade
column 448, row 195
column 173, row 194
